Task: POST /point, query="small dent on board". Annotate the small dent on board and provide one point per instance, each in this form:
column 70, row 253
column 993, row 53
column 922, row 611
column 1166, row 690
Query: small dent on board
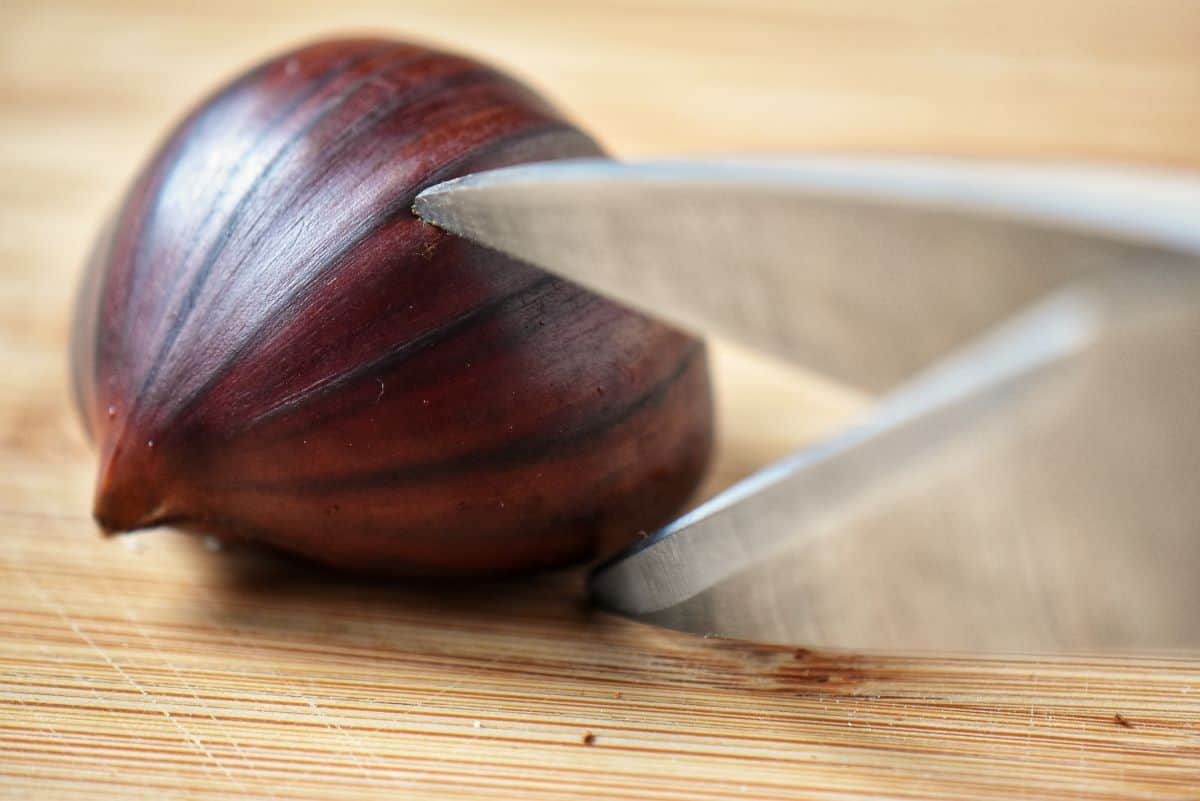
column 744, row 665
column 779, row 668
column 1123, row 721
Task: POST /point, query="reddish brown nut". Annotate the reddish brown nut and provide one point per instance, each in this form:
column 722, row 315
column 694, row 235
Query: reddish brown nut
column 269, row 346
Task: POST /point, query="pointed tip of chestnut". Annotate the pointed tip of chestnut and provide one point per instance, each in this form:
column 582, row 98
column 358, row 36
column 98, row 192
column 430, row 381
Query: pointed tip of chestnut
column 128, row 492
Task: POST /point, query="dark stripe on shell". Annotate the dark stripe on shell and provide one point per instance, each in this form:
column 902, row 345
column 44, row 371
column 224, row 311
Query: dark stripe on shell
column 268, row 128
column 190, row 296
column 151, row 182
column 510, row 453
column 282, row 313
column 400, row 353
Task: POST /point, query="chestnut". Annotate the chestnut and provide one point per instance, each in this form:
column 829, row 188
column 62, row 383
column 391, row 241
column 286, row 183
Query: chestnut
column 269, row 346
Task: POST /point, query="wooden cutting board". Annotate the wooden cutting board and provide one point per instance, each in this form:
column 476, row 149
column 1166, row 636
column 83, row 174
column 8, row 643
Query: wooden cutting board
column 157, row 667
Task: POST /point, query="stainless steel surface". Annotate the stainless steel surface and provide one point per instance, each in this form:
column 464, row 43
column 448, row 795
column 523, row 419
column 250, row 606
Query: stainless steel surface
column 866, row 269
column 1034, row 482
column 1038, row 492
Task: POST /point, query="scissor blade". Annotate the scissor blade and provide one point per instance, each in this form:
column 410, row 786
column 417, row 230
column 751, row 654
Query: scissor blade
column 1039, row 491
column 868, row 269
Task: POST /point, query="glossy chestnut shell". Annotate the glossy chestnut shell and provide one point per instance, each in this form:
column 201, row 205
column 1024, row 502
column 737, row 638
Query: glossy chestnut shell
column 269, row 346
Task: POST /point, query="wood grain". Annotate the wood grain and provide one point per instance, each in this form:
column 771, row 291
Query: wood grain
column 155, row 667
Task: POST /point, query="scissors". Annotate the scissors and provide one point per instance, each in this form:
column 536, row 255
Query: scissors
column 1028, row 476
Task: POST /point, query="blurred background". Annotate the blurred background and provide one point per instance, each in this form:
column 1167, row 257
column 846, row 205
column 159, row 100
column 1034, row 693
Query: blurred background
column 1109, row 78
column 87, row 88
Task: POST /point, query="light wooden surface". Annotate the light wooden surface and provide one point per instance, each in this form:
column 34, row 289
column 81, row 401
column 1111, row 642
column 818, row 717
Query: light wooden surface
column 156, row 667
